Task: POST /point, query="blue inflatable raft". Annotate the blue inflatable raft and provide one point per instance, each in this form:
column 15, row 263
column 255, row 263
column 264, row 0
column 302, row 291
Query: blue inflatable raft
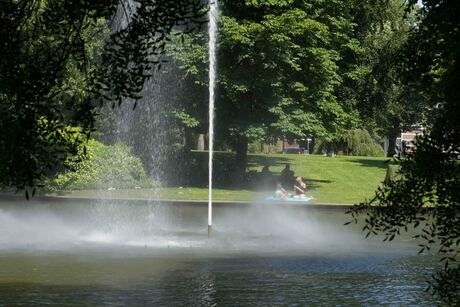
column 290, row 199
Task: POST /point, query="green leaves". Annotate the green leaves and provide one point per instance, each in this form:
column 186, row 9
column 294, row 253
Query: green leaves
column 100, row 166
column 283, row 69
column 186, row 120
column 282, row 64
column 268, row 3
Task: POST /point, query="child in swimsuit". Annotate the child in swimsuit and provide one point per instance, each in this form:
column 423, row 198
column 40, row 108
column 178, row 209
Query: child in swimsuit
column 280, row 191
column 300, row 188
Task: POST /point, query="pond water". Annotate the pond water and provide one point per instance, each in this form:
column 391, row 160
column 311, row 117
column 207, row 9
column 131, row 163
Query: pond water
column 127, row 253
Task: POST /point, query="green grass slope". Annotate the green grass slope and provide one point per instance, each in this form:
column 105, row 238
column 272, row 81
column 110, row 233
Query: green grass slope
column 341, row 179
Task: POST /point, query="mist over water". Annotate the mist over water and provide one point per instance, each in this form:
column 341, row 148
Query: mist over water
column 138, row 252
column 159, row 254
column 160, row 227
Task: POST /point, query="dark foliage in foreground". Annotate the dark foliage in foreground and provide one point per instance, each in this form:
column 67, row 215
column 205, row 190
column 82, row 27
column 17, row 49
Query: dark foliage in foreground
column 426, row 197
column 427, row 194
column 56, row 63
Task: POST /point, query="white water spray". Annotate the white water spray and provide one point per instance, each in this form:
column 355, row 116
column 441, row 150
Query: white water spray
column 212, row 32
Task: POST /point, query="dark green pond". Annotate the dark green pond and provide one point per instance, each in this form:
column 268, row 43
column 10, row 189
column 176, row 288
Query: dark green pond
column 159, row 255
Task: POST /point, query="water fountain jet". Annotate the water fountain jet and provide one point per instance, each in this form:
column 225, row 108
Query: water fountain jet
column 212, row 32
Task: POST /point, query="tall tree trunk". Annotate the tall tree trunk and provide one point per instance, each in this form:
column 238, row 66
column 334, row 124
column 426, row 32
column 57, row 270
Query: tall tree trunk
column 392, row 142
column 241, row 154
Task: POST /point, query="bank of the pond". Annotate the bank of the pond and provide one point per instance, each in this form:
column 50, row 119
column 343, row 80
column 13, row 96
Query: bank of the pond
column 92, row 199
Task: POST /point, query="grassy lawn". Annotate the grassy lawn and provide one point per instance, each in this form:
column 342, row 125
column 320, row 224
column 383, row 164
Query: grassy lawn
column 174, row 193
column 338, row 179
column 329, row 179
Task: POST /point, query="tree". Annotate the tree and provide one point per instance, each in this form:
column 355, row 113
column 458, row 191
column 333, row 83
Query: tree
column 386, row 103
column 56, row 62
column 427, row 196
column 280, row 68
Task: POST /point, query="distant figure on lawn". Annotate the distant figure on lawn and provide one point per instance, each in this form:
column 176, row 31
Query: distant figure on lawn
column 300, row 188
column 266, row 171
column 287, row 175
column 266, row 177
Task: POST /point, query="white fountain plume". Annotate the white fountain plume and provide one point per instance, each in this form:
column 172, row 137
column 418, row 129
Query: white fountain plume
column 212, row 32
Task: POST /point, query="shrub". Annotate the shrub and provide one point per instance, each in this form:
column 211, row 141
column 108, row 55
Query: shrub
column 357, row 142
column 254, row 147
column 102, row 167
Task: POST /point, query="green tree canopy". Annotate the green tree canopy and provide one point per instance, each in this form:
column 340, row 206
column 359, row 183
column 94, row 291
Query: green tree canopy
column 387, row 104
column 281, row 66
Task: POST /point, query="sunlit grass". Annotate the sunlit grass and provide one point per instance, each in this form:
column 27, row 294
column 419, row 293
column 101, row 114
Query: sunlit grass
column 338, row 179
column 329, row 179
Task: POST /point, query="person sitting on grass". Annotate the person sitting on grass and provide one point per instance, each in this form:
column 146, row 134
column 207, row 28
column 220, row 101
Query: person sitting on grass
column 266, row 170
column 281, row 193
column 300, row 188
column 286, row 175
column 266, row 177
